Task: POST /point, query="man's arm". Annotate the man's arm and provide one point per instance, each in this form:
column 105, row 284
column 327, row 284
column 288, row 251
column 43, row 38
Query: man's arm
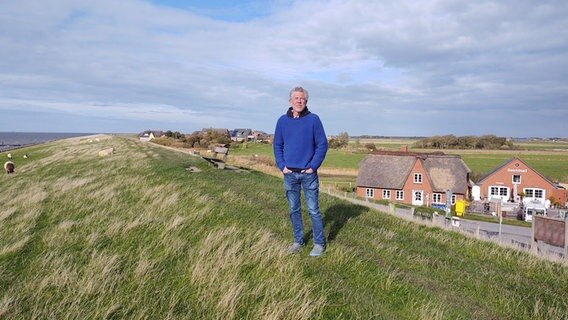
column 320, row 140
column 278, row 147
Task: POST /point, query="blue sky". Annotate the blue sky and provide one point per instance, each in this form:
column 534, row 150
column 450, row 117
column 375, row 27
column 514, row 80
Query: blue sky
column 393, row 68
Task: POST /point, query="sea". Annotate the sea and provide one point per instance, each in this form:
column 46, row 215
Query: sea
column 15, row 140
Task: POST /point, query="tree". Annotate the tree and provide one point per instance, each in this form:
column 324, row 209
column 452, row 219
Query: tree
column 343, row 139
column 340, row 141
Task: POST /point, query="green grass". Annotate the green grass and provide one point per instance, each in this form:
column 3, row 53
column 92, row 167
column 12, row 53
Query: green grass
column 507, row 220
column 543, row 145
column 136, row 235
column 343, row 160
column 334, row 158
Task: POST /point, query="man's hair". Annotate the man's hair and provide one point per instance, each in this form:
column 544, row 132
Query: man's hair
column 299, row 89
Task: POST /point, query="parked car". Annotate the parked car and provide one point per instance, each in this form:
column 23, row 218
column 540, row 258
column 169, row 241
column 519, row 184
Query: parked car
column 530, row 211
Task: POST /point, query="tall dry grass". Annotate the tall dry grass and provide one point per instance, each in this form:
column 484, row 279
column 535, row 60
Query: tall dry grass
column 135, row 235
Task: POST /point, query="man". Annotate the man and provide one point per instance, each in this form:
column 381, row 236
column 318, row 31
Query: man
column 300, row 145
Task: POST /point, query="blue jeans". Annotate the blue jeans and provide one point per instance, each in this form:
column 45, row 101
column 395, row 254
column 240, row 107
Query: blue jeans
column 294, row 182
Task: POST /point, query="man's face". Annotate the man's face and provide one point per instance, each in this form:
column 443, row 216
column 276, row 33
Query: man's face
column 298, row 101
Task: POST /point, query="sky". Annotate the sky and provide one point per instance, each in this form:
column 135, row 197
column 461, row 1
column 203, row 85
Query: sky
column 386, row 68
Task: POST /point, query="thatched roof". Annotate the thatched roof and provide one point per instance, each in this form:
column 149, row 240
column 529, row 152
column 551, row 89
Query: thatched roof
column 390, row 171
column 384, row 171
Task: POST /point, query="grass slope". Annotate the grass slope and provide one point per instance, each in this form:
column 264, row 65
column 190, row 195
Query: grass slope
column 136, row 235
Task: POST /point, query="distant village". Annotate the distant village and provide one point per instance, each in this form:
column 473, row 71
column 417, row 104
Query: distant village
column 222, row 135
column 418, row 179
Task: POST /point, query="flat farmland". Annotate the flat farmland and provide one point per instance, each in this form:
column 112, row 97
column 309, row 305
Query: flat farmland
column 384, row 143
column 550, row 158
column 551, row 164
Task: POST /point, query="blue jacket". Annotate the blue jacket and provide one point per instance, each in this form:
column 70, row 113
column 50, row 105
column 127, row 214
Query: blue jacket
column 299, row 143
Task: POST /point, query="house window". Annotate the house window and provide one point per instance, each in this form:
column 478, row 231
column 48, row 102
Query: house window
column 386, row 194
column 370, row 193
column 399, row 195
column 417, row 178
column 516, row 178
column 437, row 198
column 499, row 191
column 534, row 193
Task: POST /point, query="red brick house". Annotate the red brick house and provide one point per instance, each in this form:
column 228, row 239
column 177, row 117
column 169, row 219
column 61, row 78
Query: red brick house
column 420, row 179
column 514, row 178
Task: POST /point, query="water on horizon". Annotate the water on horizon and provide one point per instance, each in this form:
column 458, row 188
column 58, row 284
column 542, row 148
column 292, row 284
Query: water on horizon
column 11, row 140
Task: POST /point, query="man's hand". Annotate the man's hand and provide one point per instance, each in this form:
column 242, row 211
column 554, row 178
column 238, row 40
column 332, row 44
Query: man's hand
column 286, row 170
column 308, row 171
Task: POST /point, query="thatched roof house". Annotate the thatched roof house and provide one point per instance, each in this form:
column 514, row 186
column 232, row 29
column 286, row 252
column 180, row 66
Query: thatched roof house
column 413, row 178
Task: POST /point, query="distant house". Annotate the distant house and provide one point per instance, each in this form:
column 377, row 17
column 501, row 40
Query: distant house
column 150, row 135
column 514, row 178
column 260, row 135
column 419, row 179
column 240, row 135
column 220, row 131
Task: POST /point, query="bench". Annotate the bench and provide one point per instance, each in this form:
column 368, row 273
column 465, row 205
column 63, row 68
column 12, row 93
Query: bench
column 214, row 160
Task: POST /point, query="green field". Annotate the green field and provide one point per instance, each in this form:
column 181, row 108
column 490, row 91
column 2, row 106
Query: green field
column 553, row 164
column 136, row 236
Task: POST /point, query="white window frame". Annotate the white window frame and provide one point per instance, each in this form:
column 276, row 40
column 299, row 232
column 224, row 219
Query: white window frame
column 386, row 194
column 516, row 181
column 499, row 192
column 370, row 193
column 453, row 199
column 399, row 195
column 534, row 193
column 418, row 178
column 437, row 198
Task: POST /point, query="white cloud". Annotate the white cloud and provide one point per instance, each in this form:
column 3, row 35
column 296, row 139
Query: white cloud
column 384, row 67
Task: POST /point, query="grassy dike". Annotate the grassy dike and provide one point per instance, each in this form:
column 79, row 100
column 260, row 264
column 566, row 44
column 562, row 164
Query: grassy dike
column 136, row 235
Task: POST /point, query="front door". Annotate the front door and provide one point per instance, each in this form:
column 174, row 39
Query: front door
column 417, row 197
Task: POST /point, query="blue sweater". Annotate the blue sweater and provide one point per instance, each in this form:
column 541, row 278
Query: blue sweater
column 299, row 143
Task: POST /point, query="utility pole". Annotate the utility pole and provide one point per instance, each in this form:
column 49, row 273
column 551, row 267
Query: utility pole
column 448, row 205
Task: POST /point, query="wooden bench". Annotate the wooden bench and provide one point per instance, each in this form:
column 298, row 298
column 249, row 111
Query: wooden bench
column 214, row 160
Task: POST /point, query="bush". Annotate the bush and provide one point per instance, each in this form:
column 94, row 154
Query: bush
column 425, row 212
column 370, row 146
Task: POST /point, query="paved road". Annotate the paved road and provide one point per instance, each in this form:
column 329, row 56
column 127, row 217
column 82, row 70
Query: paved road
column 515, row 235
